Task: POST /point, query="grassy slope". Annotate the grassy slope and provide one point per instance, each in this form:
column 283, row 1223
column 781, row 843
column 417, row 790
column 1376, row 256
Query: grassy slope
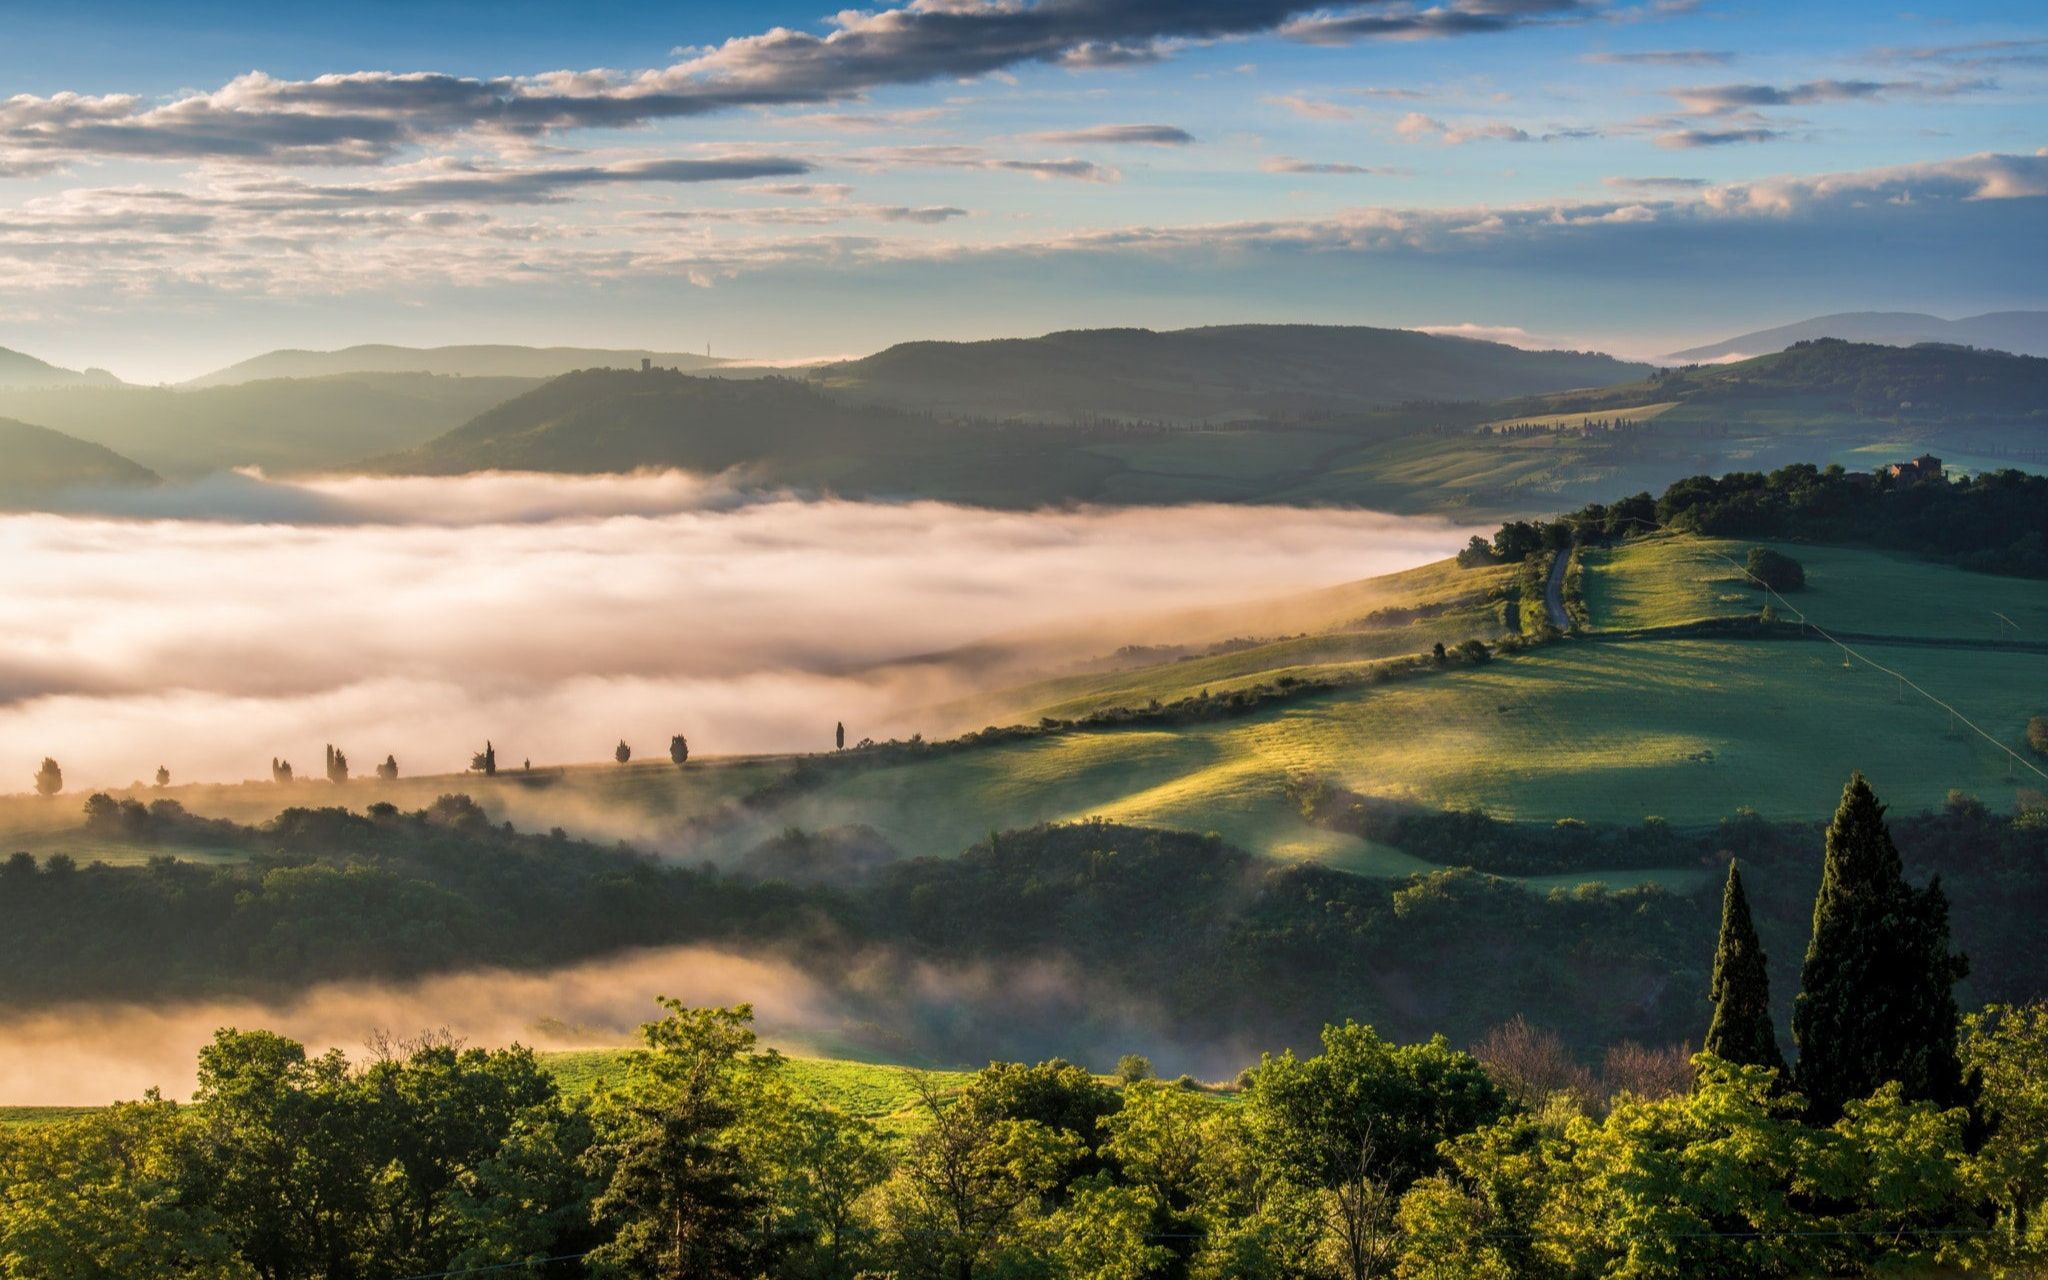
column 878, row 1092
column 36, row 462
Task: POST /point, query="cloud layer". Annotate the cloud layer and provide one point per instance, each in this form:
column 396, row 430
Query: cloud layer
column 556, row 615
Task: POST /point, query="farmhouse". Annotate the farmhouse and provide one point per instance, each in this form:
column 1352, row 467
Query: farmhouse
column 1924, row 467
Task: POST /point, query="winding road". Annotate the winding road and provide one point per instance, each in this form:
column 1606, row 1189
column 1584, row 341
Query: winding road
column 1553, row 591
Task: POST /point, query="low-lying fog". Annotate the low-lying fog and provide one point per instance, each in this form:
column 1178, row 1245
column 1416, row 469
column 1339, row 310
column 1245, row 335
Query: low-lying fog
column 210, row 627
column 888, row 1008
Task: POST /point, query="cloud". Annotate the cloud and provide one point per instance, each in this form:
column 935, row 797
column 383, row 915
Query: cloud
column 1288, row 164
column 1662, row 58
column 1719, row 99
column 1418, row 127
column 1152, row 135
column 1656, row 183
column 367, row 117
column 1311, row 108
column 814, row 215
column 1690, row 139
column 557, row 614
column 1976, row 54
column 862, row 122
column 1410, row 21
column 461, row 183
column 959, row 156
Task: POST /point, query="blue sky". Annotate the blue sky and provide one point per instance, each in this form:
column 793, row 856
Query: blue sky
column 183, row 186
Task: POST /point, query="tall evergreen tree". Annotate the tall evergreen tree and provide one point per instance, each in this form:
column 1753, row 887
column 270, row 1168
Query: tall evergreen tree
column 1741, row 1030
column 1876, row 1002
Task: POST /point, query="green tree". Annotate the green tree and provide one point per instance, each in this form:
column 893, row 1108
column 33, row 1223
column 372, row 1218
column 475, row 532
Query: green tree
column 839, row 736
column 1774, row 569
column 968, row 1184
column 1360, row 1122
column 1876, row 1000
column 816, row 1164
column 484, row 762
column 676, row 1192
column 2005, row 1048
column 279, row 1157
column 678, row 751
column 49, row 778
column 1103, row 1232
column 388, row 771
column 622, row 752
column 163, row 776
column 97, row 1198
column 1741, row 989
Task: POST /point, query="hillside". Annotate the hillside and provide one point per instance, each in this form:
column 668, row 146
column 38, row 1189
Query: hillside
column 1215, row 374
column 1931, row 385
column 474, row 361
column 2019, row 332
column 41, row 462
column 18, row 370
column 600, row 420
column 281, row 424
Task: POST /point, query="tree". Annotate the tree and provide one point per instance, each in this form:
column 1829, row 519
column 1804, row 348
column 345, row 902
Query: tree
column 966, row 1183
column 839, row 735
column 337, row 765
column 816, row 1165
column 280, row 771
column 2037, row 734
column 676, row 1189
column 163, row 776
column 1741, row 1029
column 1361, row 1121
column 622, row 752
column 1876, row 1000
column 678, row 751
column 1774, row 569
column 49, row 778
column 388, row 771
column 2004, row 1047
column 484, row 762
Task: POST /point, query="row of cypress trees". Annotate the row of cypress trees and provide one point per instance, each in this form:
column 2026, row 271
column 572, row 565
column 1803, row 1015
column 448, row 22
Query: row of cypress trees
column 1876, row 998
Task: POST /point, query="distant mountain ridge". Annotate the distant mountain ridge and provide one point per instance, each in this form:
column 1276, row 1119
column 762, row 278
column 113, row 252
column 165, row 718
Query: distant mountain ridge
column 1211, row 374
column 19, row 370
column 1932, row 384
column 2022, row 333
column 41, row 462
column 469, row 361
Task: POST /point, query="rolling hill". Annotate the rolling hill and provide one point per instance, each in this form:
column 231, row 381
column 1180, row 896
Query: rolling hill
column 1217, row 374
column 280, row 424
column 2019, row 332
column 474, row 361
column 41, row 463
column 600, row 420
column 18, row 370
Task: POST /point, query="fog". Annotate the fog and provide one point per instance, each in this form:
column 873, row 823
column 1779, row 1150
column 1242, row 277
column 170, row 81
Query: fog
column 213, row 626
column 896, row 1009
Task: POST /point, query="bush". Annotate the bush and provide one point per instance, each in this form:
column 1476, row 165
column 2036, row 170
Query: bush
column 1775, row 569
column 2037, row 735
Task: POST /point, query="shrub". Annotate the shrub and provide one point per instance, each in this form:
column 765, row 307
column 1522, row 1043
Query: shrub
column 1775, row 569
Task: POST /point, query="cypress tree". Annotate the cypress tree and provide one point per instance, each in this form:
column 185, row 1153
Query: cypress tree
column 1741, row 1030
column 1876, row 1002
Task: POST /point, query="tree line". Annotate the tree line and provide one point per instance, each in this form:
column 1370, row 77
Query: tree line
column 1904, row 1136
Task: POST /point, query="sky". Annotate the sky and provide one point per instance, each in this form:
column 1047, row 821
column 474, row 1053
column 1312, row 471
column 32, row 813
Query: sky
column 185, row 186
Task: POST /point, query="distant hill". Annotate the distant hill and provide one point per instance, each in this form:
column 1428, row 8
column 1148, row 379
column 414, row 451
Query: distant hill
column 41, row 462
column 1930, row 384
column 18, row 370
column 280, row 424
column 459, row 361
column 1222, row 373
column 2019, row 332
column 604, row 420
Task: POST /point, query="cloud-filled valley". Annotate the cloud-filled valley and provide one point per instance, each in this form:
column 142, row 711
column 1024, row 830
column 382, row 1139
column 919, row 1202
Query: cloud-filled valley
column 556, row 615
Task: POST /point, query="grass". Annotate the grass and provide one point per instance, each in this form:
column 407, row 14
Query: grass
column 1669, row 581
column 878, row 1092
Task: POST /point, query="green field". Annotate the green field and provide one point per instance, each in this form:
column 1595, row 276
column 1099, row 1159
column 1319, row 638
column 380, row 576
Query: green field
column 882, row 1093
column 1670, row 581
